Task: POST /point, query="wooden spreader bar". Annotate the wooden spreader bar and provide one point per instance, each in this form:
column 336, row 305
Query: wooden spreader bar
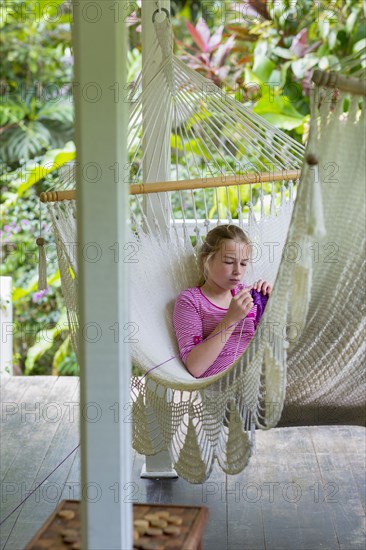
column 332, row 79
column 183, row 185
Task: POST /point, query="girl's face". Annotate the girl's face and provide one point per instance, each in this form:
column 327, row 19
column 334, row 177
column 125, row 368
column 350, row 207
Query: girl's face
column 227, row 268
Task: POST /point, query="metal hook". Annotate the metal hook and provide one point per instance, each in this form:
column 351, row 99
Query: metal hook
column 158, row 11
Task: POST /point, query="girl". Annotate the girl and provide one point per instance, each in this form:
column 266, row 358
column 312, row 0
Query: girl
column 215, row 321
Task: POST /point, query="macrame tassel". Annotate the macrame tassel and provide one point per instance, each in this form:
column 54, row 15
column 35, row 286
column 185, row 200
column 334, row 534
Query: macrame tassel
column 316, row 226
column 252, row 437
column 261, row 198
column 42, row 265
column 301, row 289
column 283, row 195
column 273, row 204
column 273, row 385
column 315, row 221
column 291, row 192
column 251, row 215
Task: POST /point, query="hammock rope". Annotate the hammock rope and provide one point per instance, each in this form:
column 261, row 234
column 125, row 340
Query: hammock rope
column 203, row 421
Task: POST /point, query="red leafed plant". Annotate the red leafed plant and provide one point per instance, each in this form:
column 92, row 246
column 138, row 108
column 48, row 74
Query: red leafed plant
column 211, row 51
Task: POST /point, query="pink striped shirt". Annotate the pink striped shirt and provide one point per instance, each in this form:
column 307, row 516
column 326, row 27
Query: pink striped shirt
column 195, row 317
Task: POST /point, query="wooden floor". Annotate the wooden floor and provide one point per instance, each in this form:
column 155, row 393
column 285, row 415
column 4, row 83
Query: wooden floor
column 303, row 489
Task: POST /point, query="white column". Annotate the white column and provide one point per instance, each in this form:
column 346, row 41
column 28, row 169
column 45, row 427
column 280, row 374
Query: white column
column 6, row 326
column 100, row 47
column 157, row 165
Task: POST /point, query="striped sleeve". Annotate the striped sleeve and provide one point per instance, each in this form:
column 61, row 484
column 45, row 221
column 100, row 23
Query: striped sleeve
column 187, row 323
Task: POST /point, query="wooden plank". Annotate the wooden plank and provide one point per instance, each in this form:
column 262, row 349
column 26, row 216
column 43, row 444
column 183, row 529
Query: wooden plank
column 4, row 379
column 64, row 440
column 72, row 486
column 22, row 390
column 34, row 438
column 327, row 472
column 12, row 393
column 16, row 541
column 17, row 416
column 335, row 448
column 358, row 467
column 179, row 491
column 341, row 495
column 270, row 486
column 245, row 529
column 334, row 439
column 5, row 533
column 295, row 516
column 316, row 528
column 208, row 494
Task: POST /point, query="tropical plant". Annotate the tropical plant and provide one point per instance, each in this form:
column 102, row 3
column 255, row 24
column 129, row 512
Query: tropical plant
column 36, row 109
column 210, row 51
column 32, row 127
column 262, row 52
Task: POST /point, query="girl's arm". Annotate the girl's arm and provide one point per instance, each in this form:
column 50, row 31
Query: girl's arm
column 203, row 355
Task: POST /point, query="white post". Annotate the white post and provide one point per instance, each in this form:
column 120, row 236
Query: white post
column 156, row 145
column 99, row 38
column 6, row 332
column 156, row 167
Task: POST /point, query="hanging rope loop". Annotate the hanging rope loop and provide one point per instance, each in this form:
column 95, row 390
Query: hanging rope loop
column 160, row 10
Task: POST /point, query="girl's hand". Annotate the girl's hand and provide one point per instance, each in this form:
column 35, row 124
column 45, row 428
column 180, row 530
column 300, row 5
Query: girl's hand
column 240, row 306
column 263, row 286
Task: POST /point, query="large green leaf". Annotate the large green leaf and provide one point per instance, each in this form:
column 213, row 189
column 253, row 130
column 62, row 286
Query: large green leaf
column 61, row 111
column 12, row 112
column 51, row 162
column 195, row 146
column 231, row 193
column 262, row 66
column 44, row 341
column 301, row 66
column 284, row 53
column 251, row 77
column 62, row 352
column 64, row 361
column 280, row 112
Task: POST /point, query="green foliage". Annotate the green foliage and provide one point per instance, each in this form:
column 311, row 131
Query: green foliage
column 278, row 44
column 36, row 111
column 226, row 196
column 34, row 128
column 36, row 117
column 262, row 52
column 280, row 112
column 44, row 340
column 64, row 361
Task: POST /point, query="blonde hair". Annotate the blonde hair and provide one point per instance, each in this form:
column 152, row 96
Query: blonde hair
column 212, row 244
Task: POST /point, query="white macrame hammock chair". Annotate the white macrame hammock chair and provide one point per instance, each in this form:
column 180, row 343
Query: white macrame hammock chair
column 310, row 339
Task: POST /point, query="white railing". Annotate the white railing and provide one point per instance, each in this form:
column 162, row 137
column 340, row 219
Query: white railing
column 6, row 326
